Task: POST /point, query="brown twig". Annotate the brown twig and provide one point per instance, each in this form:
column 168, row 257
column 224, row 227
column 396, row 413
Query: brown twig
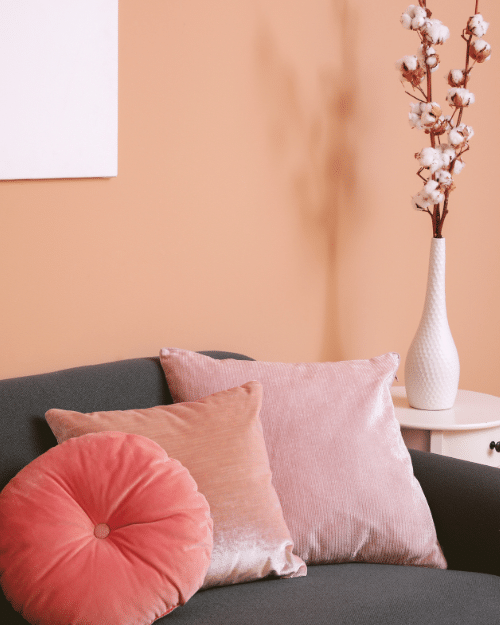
column 429, row 92
column 414, row 96
column 453, row 115
column 466, row 71
column 419, row 174
column 439, row 229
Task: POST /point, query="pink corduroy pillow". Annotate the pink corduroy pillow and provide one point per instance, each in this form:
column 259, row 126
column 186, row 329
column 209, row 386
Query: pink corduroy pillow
column 105, row 528
column 219, row 440
column 340, row 467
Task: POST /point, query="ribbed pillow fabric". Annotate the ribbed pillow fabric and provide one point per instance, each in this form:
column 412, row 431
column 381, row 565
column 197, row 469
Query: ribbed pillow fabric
column 105, row 528
column 340, row 467
column 219, row 440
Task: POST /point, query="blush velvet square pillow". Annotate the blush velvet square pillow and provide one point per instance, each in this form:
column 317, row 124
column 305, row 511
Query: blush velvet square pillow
column 339, row 464
column 219, row 440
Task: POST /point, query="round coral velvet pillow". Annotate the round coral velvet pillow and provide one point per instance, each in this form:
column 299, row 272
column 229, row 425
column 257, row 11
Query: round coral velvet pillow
column 104, row 528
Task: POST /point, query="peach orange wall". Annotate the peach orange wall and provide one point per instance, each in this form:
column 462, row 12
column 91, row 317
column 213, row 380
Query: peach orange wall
column 262, row 198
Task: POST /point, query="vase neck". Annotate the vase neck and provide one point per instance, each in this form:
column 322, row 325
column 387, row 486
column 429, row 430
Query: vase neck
column 435, row 294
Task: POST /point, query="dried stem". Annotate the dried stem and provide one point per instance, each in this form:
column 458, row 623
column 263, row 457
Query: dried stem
column 421, row 91
column 439, row 225
column 419, row 174
column 467, row 70
column 435, row 214
column 429, row 77
column 437, row 221
column 451, row 118
column 414, row 96
column 438, row 231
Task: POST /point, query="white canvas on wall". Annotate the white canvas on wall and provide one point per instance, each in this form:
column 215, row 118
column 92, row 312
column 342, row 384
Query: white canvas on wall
column 58, row 89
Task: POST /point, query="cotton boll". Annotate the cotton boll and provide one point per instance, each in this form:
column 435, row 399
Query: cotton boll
column 430, row 186
column 458, row 165
column 420, row 201
column 415, row 115
column 440, row 127
column 480, row 51
column 419, row 17
column 460, row 97
column 430, row 158
column 477, row 26
column 406, row 21
column 456, row 78
column 447, row 154
column 433, row 62
column 408, row 63
column 426, row 116
column 430, row 113
column 456, row 138
column 414, row 17
column 427, row 156
column 428, row 57
column 433, row 191
column 467, row 131
column 436, row 164
column 428, row 120
column 459, row 136
column 432, row 59
column 435, row 31
column 444, row 179
column 410, row 69
column 414, row 121
column 428, row 196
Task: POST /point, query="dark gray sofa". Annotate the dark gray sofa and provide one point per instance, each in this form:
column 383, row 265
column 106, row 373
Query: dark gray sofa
column 464, row 498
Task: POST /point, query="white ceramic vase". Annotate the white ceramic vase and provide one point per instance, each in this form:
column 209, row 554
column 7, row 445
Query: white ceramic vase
column 432, row 367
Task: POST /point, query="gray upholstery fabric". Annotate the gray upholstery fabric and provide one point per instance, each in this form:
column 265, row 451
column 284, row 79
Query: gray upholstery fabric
column 24, row 434
column 350, row 594
column 464, row 499
column 121, row 385
column 343, row 594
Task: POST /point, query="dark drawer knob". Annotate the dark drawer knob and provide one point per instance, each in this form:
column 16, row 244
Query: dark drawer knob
column 495, row 446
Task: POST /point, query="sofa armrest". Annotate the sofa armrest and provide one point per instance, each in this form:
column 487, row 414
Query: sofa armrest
column 464, row 498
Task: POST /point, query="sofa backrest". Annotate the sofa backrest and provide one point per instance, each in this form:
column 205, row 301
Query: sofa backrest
column 121, row 385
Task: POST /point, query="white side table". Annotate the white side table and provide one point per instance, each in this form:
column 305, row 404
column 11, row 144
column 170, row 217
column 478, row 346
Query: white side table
column 465, row 431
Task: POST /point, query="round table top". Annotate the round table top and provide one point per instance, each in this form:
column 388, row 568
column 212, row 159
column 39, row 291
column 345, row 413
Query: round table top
column 471, row 411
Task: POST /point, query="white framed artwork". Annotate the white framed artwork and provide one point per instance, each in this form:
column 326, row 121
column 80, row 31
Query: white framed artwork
column 58, row 89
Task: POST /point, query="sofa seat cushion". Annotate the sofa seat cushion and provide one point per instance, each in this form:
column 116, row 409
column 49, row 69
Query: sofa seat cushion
column 104, row 528
column 342, row 594
column 351, row 594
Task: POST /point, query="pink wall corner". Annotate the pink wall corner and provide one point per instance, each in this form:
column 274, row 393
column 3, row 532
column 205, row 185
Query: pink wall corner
column 262, row 199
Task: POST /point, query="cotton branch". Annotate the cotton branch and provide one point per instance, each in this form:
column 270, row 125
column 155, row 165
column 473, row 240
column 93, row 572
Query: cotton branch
column 441, row 159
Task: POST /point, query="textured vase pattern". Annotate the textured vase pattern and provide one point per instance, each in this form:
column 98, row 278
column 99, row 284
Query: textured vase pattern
column 432, row 366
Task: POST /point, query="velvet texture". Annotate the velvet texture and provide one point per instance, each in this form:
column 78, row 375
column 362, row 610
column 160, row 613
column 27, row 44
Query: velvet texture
column 105, row 528
column 340, row 467
column 219, row 440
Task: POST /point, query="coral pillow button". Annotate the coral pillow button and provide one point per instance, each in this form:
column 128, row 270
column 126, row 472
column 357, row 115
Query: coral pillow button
column 101, row 530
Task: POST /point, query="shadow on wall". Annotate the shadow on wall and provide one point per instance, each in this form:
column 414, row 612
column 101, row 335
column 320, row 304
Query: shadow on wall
column 314, row 137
